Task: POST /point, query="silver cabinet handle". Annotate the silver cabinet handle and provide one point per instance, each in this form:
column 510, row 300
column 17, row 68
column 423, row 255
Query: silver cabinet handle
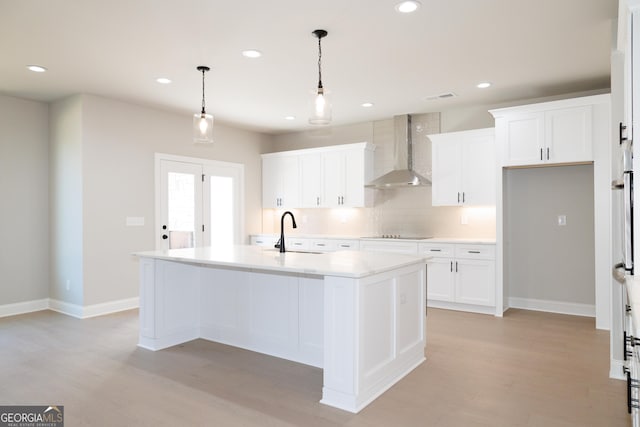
column 451, row 266
column 435, row 250
column 541, row 154
column 320, row 244
column 317, row 201
column 458, row 197
column 456, row 266
column 463, row 197
column 473, row 252
column 547, row 153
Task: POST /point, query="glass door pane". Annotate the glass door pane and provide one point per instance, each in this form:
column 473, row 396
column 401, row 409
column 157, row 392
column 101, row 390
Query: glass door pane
column 181, row 210
column 221, row 224
column 180, row 205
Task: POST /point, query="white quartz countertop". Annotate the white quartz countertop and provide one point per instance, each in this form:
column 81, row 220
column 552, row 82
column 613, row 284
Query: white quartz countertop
column 352, row 264
column 463, row 240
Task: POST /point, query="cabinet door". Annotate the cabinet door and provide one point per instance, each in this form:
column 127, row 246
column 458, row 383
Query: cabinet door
column 440, row 283
column 290, row 182
column 475, row 281
column 447, row 174
column 568, row 135
column 354, row 176
column 333, row 178
column 311, row 180
column 270, row 182
column 479, row 171
column 280, row 182
column 524, row 139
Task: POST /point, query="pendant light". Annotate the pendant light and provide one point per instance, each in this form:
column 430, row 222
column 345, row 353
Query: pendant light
column 320, row 105
column 203, row 122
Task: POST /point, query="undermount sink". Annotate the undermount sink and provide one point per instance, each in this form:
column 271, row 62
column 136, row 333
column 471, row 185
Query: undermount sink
column 296, row 252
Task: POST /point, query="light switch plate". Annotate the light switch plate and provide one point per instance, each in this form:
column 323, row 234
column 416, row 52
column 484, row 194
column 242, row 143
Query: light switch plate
column 562, row 220
column 135, row 221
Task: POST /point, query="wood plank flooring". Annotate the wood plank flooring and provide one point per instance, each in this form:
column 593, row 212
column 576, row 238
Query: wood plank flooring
column 526, row 369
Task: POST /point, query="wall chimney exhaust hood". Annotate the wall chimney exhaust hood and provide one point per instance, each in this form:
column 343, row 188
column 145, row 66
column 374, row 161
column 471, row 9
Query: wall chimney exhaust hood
column 402, row 174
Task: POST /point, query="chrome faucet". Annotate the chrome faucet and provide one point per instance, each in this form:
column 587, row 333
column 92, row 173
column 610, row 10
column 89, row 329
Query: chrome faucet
column 280, row 243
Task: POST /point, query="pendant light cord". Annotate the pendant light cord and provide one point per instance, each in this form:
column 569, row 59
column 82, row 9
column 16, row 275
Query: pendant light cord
column 203, row 111
column 319, row 63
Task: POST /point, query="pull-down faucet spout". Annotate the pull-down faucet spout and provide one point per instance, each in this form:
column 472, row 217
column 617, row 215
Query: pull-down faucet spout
column 293, row 220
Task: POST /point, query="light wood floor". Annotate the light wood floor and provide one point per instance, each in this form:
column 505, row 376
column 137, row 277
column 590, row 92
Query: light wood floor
column 527, row 369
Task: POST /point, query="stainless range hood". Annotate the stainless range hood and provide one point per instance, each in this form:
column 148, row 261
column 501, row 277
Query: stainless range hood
column 402, row 174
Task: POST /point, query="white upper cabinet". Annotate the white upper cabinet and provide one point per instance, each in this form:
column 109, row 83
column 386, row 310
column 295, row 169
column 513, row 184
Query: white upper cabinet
column 464, row 168
column 557, row 132
column 328, row 177
column 280, row 181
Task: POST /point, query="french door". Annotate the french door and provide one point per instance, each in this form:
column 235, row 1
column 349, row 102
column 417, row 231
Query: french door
column 199, row 202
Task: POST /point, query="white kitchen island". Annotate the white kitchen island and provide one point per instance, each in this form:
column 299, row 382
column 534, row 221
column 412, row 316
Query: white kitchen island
column 360, row 316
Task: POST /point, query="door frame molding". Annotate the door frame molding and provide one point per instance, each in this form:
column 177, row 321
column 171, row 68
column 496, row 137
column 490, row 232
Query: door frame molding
column 158, row 157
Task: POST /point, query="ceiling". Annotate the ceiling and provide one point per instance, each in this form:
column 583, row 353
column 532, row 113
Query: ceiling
column 117, row 49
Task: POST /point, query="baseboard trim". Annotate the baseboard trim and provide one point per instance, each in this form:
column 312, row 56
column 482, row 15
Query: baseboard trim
column 24, row 307
column 110, row 307
column 575, row 309
column 73, row 310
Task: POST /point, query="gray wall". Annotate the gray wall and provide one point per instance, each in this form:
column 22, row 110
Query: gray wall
column 546, row 261
column 24, row 210
column 74, row 171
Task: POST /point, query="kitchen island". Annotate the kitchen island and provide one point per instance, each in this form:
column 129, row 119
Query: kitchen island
column 360, row 316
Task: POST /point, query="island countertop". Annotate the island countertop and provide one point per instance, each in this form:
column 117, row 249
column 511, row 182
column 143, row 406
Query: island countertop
column 351, row 264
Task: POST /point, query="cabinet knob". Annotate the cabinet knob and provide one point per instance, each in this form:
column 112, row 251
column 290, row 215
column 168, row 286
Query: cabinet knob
column 165, row 237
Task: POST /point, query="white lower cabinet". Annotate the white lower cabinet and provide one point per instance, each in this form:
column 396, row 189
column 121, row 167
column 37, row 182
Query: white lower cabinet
column 460, row 276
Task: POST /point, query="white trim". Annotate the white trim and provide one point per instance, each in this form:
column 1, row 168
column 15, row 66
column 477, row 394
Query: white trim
column 575, row 309
column 110, row 307
column 616, row 369
column 73, row 310
column 24, row 307
column 471, row 308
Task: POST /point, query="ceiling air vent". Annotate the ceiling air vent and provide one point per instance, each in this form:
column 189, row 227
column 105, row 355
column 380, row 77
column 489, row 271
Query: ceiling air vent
column 440, row 96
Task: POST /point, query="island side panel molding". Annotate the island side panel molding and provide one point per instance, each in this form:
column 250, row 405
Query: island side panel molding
column 170, row 296
column 374, row 334
column 264, row 312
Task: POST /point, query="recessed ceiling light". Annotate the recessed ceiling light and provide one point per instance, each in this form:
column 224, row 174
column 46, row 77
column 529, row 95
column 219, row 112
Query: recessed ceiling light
column 290, row 118
column 163, row 80
column 407, row 6
column 251, row 53
column 36, row 68
column 483, row 85
column 367, row 104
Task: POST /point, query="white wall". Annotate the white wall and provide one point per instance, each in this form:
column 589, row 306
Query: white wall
column 24, row 210
column 65, row 192
column 118, row 145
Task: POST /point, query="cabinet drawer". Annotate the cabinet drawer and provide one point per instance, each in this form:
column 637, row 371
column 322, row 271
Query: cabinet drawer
column 437, row 250
column 386, row 246
column 266, row 241
column 296, row 244
column 475, row 251
column 346, row 245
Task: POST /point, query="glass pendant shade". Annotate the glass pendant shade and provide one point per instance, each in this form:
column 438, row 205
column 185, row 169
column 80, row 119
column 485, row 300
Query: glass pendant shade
column 320, row 107
column 203, row 122
column 203, row 128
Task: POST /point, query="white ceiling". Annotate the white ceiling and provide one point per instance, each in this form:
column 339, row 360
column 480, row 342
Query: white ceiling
column 117, row 48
